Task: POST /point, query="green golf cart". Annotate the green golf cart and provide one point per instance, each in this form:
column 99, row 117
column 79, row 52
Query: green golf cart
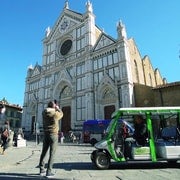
column 162, row 142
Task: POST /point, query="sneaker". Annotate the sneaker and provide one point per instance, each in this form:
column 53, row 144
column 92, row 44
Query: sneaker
column 42, row 173
column 49, row 175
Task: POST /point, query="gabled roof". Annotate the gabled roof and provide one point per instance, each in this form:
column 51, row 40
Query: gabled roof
column 36, row 70
column 68, row 15
column 103, row 41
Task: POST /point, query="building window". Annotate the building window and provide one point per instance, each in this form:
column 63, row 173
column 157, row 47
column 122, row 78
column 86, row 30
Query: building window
column 48, row 80
column 12, row 114
column 15, row 114
column 114, row 73
column 98, row 76
column 66, row 47
column 81, row 108
column 81, row 83
column 49, row 55
column 110, row 59
column 49, row 58
column 33, row 86
column 115, row 57
column 17, row 123
column 95, row 64
column 48, row 48
column 100, row 63
column 111, row 73
column 105, row 61
column 80, row 31
column 80, row 38
column 47, row 93
column 80, row 69
column 80, row 43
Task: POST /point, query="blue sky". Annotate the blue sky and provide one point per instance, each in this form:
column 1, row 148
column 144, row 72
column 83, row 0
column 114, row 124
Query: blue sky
column 154, row 25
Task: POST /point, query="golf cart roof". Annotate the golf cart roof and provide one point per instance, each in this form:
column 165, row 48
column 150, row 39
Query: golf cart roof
column 152, row 110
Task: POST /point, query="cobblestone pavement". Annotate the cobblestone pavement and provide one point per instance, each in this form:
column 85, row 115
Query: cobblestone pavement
column 73, row 163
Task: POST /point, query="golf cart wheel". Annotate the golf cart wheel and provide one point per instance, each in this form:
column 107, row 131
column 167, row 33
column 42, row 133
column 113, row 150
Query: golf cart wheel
column 102, row 160
column 93, row 156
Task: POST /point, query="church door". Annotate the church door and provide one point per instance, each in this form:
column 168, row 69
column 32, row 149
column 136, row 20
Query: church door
column 66, row 120
column 108, row 110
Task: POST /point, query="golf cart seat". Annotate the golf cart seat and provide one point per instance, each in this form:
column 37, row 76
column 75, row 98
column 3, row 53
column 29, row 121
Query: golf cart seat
column 169, row 133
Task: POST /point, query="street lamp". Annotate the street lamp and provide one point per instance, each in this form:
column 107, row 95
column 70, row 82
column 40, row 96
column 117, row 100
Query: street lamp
column 36, row 115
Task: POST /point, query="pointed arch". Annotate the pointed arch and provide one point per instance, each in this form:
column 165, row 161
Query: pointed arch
column 106, row 88
column 63, row 86
column 106, row 97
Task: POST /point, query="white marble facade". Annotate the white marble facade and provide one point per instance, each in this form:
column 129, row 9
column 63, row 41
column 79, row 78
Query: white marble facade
column 87, row 71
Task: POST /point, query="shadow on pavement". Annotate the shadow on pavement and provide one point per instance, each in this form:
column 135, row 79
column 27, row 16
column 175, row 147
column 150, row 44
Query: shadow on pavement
column 144, row 165
column 68, row 166
column 21, row 176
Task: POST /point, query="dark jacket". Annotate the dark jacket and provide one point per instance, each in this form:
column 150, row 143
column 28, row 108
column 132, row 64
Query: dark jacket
column 140, row 133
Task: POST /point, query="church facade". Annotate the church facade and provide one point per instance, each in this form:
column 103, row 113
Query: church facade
column 88, row 72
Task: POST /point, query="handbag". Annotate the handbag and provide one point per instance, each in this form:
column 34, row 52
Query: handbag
column 5, row 133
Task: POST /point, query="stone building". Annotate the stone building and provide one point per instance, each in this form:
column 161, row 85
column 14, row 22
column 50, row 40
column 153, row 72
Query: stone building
column 167, row 95
column 162, row 95
column 88, row 72
column 13, row 114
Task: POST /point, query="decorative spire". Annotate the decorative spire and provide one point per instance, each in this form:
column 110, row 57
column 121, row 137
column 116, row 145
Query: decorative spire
column 89, row 6
column 121, row 30
column 66, row 5
column 30, row 67
column 48, row 30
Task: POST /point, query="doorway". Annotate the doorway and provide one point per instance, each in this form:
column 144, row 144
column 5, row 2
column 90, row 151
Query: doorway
column 33, row 124
column 66, row 120
column 108, row 110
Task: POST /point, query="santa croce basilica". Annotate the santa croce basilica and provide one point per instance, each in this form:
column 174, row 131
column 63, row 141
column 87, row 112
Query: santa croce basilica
column 88, row 72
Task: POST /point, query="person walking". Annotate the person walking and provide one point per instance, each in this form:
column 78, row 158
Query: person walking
column 2, row 113
column 5, row 136
column 51, row 116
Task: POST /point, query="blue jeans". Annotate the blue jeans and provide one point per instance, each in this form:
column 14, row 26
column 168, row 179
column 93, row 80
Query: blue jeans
column 50, row 142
